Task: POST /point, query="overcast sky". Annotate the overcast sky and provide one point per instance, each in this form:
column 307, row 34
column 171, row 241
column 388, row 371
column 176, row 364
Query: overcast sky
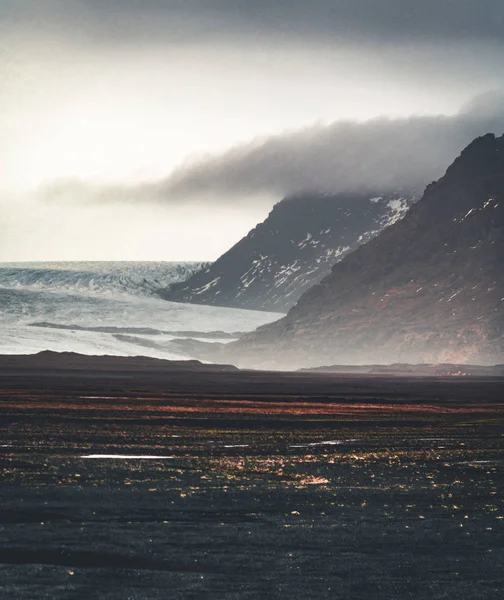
column 166, row 129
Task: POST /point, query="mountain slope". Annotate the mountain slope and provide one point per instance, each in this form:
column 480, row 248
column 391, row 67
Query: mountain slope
column 294, row 248
column 428, row 289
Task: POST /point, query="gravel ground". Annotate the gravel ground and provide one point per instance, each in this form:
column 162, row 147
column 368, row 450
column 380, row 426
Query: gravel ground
column 343, row 495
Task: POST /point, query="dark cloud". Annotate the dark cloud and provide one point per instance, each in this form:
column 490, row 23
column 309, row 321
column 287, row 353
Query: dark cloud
column 381, row 155
column 376, row 18
column 383, row 20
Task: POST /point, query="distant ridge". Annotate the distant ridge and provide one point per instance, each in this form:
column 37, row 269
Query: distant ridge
column 64, row 361
column 422, row 370
column 61, row 362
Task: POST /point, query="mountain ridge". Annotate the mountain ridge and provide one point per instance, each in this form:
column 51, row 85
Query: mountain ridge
column 293, row 249
column 427, row 289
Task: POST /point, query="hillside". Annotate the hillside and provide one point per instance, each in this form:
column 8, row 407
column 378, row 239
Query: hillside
column 292, row 250
column 428, row 289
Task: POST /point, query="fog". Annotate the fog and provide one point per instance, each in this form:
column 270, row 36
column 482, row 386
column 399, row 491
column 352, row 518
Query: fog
column 205, row 206
column 166, row 130
column 382, row 155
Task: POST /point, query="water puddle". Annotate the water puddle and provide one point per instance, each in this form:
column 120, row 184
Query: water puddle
column 325, row 443
column 238, row 446
column 127, row 456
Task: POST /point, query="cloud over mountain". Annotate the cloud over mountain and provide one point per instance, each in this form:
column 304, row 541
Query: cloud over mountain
column 383, row 153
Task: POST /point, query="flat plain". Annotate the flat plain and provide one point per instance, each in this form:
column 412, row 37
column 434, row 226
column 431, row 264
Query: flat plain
column 140, row 483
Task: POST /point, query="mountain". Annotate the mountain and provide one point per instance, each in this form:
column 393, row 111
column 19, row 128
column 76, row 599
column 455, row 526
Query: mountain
column 293, row 249
column 429, row 289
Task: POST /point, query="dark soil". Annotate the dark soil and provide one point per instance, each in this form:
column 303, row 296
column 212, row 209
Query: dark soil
column 269, row 485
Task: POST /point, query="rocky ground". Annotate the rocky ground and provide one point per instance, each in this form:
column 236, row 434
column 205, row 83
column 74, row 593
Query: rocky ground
column 264, row 486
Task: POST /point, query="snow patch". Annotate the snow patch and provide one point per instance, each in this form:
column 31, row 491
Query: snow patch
column 206, row 287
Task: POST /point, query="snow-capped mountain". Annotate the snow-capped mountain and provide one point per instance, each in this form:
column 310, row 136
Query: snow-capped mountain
column 293, row 249
column 429, row 289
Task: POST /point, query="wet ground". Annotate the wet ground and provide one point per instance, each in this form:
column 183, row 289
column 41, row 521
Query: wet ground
column 136, row 485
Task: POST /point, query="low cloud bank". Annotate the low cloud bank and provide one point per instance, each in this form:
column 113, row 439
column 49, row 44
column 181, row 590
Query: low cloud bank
column 387, row 155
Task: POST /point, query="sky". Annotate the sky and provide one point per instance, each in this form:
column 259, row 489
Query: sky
column 166, row 129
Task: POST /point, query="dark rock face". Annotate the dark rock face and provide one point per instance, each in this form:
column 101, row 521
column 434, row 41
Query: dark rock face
column 428, row 289
column 293, row 249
